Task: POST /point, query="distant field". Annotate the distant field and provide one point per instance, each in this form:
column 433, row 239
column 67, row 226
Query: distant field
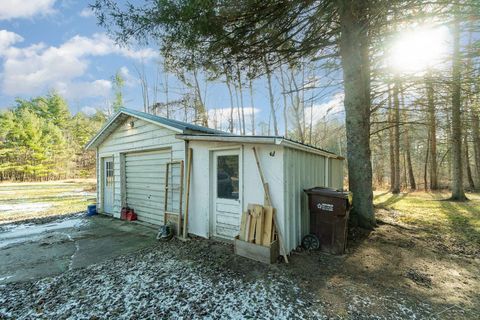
column 21, row 201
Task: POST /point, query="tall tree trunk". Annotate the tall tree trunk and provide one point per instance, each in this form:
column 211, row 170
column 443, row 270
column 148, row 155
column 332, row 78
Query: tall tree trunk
column 425, row 170
column 238, row 110
column 458, row 192
column 239, row 76
column 232, row 108
column 253, row 107
column 409, row 166
column 411, row 175
column 297, row 107
column 475, row 119
column 432, row 127
column 200, row 107
column 391, row 140
column 270, row 94
column 396, row 105
column 310, row 131
column 285, row 105
column 471, row 112
column 354, row 46
column 468, row 170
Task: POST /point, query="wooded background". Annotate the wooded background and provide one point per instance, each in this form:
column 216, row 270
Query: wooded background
column 41, row 140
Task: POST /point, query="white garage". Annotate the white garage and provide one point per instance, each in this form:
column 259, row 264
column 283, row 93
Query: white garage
column 134, row 150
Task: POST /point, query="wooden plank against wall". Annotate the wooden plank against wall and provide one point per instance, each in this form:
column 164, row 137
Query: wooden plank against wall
column 243, row 226
column 258, row 213
column 267, row 229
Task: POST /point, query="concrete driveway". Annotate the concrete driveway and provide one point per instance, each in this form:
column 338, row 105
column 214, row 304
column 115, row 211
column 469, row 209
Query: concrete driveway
column 32, row 251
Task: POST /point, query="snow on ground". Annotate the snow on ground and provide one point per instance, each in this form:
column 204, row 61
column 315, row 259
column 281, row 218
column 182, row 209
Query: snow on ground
column 156, row 283
column 77, row 193
column 24, row 207
column 31, row 232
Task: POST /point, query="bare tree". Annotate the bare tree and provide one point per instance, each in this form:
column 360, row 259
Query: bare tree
column 458, row 192
column 270, row 94
column 396, row 119
column 432, row 125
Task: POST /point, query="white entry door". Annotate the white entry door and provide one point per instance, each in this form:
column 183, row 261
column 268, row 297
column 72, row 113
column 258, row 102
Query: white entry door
column 108, row 185
column 227, row 194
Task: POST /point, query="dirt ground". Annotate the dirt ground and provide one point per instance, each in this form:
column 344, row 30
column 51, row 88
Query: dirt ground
column 393, row 273
column 421, row 262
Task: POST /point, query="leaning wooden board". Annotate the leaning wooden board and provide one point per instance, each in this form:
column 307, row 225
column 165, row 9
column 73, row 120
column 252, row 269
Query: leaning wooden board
column 268, row 228
column 243, row 225
column 258, row 214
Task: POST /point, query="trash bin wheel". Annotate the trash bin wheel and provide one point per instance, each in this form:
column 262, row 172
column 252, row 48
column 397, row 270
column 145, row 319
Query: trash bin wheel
column 311, row 242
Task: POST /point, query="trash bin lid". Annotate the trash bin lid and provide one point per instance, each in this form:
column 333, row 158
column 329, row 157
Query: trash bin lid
column 329, row 192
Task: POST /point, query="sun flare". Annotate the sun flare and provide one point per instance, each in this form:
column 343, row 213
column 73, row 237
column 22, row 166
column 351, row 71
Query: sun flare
column 420, row 49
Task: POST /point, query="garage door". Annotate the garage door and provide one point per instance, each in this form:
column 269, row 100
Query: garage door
column 145, row 183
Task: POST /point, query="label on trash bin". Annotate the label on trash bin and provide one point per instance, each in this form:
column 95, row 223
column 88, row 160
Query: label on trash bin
column 325, row 206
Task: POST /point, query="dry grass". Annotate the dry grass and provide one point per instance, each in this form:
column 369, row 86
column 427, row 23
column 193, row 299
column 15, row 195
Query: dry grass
column 21, row 201
column 433, row 216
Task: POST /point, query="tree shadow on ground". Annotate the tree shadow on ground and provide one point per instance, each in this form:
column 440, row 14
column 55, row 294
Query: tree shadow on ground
column 394, row 198
column 375, row 197
column 461, row 224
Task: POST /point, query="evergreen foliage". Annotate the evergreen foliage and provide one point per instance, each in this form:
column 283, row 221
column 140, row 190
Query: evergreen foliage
column 41, row 140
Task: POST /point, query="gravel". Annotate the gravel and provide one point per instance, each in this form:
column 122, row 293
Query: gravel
column 171, row 280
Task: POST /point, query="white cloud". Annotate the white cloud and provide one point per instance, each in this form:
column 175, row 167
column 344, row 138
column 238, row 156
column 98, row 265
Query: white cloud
column 82, row 89
column 33, row 69
column 86, row 13
column 11, row 9
column 330, row 108
column 7, row 39
column 100, row 44
column 130, row 80
column 89, row 111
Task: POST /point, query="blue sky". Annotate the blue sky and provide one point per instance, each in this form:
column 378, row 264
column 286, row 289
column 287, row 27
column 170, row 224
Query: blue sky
column 56, row 44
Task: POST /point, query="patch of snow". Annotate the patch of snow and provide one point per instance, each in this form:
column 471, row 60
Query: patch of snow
column 24, row 207
column 77, row 193
column 31, row 232
column 77, row 248
column 157, row 285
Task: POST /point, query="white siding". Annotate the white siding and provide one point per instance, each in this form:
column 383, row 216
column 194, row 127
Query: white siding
column 144, row 136
column 201, row 204
column 99, row 175
column 302, row 170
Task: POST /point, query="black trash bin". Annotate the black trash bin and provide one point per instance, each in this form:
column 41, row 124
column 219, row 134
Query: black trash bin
column 329, row 210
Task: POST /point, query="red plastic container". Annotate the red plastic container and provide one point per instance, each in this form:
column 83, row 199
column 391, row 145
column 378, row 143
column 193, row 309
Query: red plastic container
column 128, row 214
column 131, row 215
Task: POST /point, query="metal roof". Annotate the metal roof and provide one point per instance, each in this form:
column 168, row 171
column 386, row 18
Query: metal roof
column 278, row 140
column 184, row 126
column 124, row 113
